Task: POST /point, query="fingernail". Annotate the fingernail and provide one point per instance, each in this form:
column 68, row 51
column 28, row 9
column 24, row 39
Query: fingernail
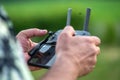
column 44, row 31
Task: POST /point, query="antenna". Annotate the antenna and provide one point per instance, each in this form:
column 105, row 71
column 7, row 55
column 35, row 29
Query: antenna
column 69, row 16
column 86, row 21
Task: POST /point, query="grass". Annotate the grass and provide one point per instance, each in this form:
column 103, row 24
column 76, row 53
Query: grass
column 107, row 67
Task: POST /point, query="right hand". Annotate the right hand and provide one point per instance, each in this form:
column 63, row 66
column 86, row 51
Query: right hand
column 78, row 53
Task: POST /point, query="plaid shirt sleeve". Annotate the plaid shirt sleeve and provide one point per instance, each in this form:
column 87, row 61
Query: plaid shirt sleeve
column 12, row 62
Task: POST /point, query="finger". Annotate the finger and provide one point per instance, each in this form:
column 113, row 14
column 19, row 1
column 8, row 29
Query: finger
column 98, row 50
column 68, row 30
column 96, row 40
column 92, row 60
column 29, row 33
column 33, row 44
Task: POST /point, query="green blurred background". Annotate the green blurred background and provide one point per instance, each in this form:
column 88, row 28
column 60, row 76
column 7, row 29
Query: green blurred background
column 51, row 15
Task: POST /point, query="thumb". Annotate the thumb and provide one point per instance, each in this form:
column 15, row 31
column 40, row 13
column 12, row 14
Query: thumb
column 68, row 30
column 29, row 33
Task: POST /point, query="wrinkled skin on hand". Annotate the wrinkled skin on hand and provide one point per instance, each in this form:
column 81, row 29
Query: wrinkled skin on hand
column 24, row 37
column 79, row 51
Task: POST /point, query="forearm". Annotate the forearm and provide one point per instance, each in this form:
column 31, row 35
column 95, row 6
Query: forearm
column 62, row 70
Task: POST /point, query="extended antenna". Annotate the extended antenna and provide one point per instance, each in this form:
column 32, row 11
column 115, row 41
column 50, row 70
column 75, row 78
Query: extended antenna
column 69, row 16
column 86, row 21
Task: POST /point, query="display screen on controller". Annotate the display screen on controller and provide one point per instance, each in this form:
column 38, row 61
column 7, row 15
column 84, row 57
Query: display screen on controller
column 43, row 55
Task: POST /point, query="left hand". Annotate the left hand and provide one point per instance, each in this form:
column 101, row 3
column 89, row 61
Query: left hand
column 26, row 43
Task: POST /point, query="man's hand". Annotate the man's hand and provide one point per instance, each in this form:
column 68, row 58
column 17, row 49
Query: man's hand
column 80, row 51
column 75, row 56
column 24, row 38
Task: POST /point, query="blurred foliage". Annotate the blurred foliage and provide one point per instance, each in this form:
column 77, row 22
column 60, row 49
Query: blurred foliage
column 51, row 15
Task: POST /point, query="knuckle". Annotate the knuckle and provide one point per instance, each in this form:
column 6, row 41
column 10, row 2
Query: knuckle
column 88, row 40
column 36, row 29
column 98, row 50
column 63, row 35
column 23, row 33
column 96, row 40
column 63, row 39
column 94, row 50
column 94, row 61
column 20, row 33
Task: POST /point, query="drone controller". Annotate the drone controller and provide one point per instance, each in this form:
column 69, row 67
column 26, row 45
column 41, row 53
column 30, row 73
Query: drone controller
column 43, row 55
